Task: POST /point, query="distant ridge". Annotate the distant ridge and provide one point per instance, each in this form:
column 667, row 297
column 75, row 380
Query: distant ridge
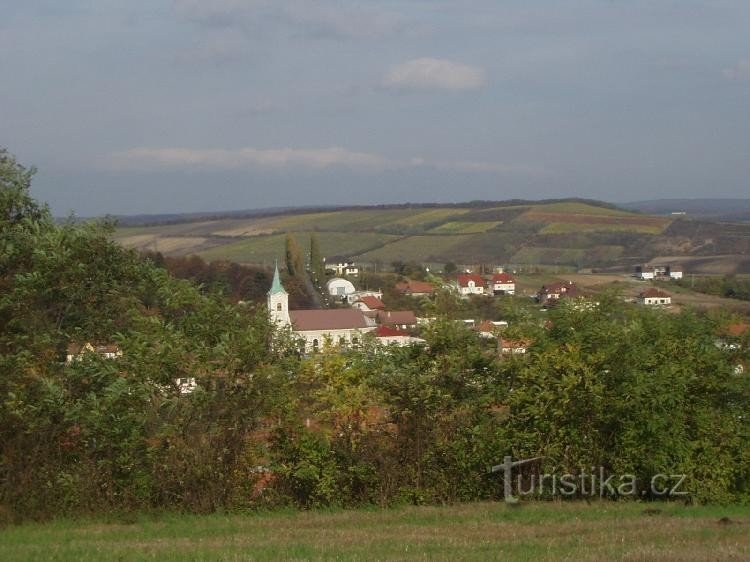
column 716, row 209
column 176, row 218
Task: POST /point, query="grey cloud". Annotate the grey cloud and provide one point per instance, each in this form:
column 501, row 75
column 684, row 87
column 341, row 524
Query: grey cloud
column 740, row 71
column 148, row 158
column 433, row 74
column 323, row 18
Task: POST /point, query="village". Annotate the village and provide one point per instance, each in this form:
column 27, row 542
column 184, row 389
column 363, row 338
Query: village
column 356, row 316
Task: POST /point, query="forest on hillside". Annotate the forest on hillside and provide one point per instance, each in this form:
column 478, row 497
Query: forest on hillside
column 614, row 386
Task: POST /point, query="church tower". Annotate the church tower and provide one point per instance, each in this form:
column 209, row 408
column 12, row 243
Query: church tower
column 278, row 301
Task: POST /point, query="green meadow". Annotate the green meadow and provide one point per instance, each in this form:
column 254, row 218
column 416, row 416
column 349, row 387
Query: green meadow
column 480, row 531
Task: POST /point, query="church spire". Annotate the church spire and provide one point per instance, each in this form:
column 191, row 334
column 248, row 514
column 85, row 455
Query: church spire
column 276, row 286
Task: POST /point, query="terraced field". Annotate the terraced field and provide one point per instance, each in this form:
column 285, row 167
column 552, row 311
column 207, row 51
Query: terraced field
column 569, row 232
column 264, row 249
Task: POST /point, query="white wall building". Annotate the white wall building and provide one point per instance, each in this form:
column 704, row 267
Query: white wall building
column 470, row 284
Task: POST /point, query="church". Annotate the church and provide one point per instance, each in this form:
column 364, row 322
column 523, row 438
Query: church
column 343, row 326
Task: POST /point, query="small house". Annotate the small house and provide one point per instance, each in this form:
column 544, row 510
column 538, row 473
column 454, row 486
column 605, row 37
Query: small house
column 654, row 297
column 470, row 284
column 502, row 284
column 415, row 288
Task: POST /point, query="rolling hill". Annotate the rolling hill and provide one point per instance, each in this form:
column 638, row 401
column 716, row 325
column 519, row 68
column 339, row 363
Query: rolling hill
column 576, row 233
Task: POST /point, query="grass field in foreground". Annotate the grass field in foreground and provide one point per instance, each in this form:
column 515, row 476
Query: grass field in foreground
column 533, row 531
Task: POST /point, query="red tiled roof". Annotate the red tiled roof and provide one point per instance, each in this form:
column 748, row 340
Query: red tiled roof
column 327, row 319
column 737, row 330
column 386, row 331
column 396, row 317
column 503, row 278
column 560, row 287
column 463, row 280
column 515, row 344
column 654, row 293
column 373, row 303
column 485, row 326
column 407, row 287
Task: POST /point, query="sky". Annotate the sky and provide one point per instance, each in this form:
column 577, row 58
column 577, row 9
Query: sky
column 161, row 106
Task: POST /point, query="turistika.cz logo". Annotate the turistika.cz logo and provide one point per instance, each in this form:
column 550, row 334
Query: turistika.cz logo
column 593, row 483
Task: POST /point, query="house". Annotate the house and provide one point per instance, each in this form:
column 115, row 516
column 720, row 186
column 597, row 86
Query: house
column 552, row 293
column 658, row 272
column 403, row 319
column 729, row 337
column 502, row 284
column 470, row 284
column 369, row 303
column 489, row 329
column 654, row 297
column 393, row 336
column 342, row 326
column 514, row 346
column 341, row 266
column 76, row 352
column 415, row 288
column 340, row 288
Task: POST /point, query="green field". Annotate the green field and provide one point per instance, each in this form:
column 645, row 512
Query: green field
column 572, row 232
column 265, row 249
column 533, row 531
column 417, row 248
column 458, row 227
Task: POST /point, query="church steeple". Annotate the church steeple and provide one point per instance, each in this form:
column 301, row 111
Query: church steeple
column 278, row 300
column 276, row 286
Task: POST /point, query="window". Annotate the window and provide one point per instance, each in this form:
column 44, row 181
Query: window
column 278, row 306
column 342, row 340
column 315, row 345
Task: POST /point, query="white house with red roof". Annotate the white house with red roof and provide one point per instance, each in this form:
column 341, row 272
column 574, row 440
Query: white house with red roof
column 502, row 284
column 470, row 284
column 387, row 335
column 368, row 303
column 553, row 292
column 514, row 346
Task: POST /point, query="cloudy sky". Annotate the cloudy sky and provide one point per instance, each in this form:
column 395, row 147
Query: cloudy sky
column 186, row 105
